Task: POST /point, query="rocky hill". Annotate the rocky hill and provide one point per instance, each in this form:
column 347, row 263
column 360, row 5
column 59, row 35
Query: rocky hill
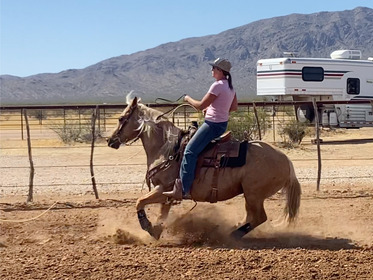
column 173, row 69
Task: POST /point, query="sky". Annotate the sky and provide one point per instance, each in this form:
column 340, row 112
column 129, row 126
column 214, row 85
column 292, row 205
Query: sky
column 49, row 36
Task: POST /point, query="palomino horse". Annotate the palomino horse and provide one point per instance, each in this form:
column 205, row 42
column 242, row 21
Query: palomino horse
column 265, row 172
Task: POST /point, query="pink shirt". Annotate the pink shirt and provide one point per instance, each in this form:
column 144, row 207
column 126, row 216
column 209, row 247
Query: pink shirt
column 218, row 111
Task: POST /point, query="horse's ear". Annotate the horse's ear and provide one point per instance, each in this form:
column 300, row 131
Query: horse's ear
column 129, row 97
column 134, row 102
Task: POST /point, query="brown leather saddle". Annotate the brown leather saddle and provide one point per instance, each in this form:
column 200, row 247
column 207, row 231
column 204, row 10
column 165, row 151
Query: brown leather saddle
column 219, row 154
column 224, row 152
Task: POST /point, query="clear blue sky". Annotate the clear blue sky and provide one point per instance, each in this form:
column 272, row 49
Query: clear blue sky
column 49, row 36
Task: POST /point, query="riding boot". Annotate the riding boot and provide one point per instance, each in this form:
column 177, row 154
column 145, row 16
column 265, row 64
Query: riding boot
column 177, row 192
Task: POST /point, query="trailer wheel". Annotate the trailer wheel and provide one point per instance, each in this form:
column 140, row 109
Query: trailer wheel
column 305, row 113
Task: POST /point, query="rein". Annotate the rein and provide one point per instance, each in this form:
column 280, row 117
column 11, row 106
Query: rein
column 171, row 111
column 169, row 101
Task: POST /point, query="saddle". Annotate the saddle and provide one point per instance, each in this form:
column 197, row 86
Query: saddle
column 224, row 152
column 219, row 154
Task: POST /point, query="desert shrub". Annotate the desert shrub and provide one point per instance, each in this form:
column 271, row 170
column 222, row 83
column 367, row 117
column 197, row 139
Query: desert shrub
column 288, row 110
column 74, row 131
column 38, row 114
column 293, row 132
column 243, row 123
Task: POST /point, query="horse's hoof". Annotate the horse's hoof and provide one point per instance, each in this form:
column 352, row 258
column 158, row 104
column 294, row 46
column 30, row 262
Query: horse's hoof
column 237, row 234
column 241, row 231
column 156, row 231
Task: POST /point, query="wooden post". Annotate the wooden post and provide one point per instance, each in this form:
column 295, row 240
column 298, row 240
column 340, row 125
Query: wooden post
column 30, row 196
column 318, row 143
column 22, row 114
column 185, row 118
column 173, row 118
column 273, row 123
column 94, row 116
column 104, row 119
column 98, row 117
column 80, row 119
column 257, row 121
column 64, row 120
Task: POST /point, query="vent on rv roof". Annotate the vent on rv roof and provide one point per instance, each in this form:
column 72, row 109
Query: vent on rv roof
column 346, row 54
column 290, row 54
column 370, row 58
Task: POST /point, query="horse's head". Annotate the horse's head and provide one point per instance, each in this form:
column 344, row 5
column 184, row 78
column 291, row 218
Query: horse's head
column 130, row 126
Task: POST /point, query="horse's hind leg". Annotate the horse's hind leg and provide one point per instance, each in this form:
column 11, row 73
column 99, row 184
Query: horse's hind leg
column 255, row 215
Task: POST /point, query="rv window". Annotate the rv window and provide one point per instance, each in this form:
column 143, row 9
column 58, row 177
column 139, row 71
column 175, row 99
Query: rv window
column 353, row 86
column 313, row 74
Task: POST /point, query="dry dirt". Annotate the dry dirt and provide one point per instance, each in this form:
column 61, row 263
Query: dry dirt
column 84, row 238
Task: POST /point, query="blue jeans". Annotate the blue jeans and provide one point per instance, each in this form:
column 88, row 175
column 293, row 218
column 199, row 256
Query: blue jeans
column 207, row 132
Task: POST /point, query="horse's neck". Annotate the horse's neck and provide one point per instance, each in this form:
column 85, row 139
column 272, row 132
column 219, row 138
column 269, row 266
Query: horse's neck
column 158, row 138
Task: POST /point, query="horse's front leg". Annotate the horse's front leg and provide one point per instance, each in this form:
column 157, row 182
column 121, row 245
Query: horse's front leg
column 152, row 197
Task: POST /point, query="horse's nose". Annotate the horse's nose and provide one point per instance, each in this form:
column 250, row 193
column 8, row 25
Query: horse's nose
column 113, row 143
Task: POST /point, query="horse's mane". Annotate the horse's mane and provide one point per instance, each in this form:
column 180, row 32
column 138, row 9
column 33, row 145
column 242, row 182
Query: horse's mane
column 150, row 113
column 162, row 128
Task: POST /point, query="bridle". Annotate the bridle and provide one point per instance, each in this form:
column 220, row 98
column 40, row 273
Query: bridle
column 123, row 120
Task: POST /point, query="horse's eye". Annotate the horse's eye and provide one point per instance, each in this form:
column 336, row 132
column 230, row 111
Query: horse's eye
column 121, row 118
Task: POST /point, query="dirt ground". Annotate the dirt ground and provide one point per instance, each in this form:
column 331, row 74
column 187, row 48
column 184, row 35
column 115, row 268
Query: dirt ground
column 84, row 238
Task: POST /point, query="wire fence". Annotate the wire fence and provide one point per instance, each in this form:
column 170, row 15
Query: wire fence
column 48, row 124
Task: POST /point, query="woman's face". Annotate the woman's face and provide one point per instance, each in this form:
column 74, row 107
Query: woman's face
column 217, row 73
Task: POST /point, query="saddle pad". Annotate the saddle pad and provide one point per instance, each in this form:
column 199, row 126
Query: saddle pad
column 237, row 161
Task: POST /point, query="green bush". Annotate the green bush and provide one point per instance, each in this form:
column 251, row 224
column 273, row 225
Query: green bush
column 293, row 132
column 244, row 125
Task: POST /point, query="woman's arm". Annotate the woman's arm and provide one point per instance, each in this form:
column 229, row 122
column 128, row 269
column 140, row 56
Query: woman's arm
column 234, row 105
column 200, row 104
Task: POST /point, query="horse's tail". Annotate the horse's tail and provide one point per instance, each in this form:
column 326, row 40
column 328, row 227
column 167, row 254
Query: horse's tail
column 293, row 193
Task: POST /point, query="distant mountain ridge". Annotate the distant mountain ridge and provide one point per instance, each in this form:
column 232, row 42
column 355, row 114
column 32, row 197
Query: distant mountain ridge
column 176, row 68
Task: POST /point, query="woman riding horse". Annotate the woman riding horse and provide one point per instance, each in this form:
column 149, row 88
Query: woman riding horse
column 266, row 171
column 218, row 102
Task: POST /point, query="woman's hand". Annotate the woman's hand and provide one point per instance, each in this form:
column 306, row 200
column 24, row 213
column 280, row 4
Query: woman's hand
column 200, row 104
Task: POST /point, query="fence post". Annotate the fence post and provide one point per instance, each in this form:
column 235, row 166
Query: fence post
column 22, row 114
column 64, row 119
column 318, row 143
column 273, row 123
column 257, row 121
column 30, row 196
column 104, row 119
column 94, row 116
column 98, row 116
column 185, row 118
column 80, row 119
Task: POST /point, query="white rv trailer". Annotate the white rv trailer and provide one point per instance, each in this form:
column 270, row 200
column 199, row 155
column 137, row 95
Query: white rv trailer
column 344, row 77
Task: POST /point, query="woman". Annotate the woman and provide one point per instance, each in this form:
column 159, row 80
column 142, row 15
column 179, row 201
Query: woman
column 217, row 103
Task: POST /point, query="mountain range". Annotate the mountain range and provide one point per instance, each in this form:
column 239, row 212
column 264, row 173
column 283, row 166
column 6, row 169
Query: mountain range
column 177, row 68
